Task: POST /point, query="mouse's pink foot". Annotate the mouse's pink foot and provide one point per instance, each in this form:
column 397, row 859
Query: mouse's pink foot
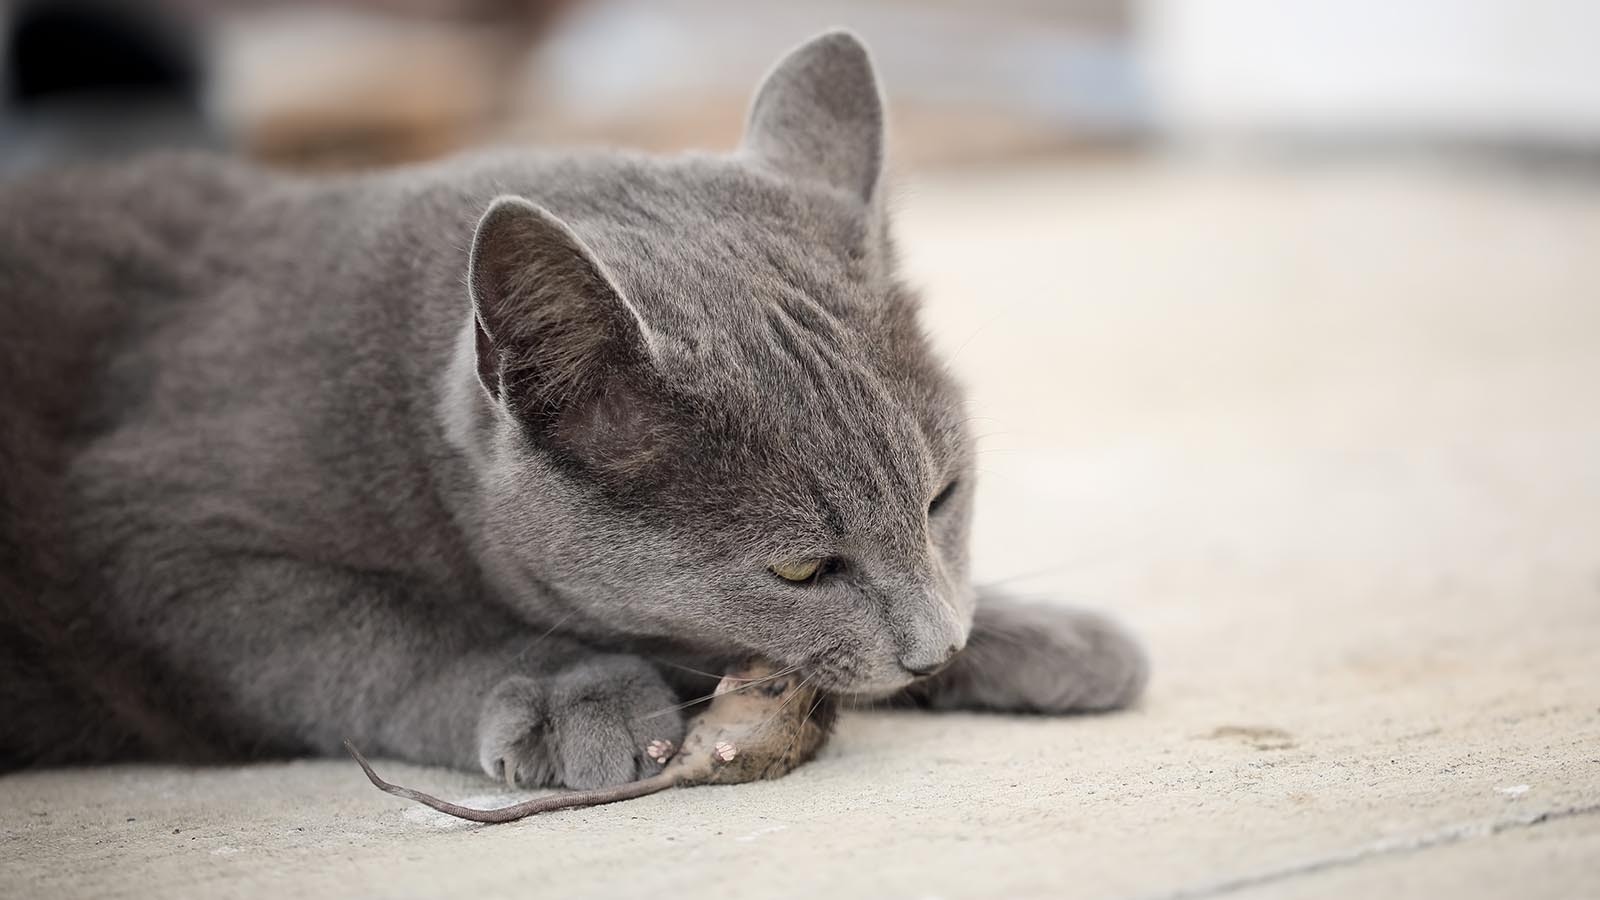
column 660, row 751
column 726, row 751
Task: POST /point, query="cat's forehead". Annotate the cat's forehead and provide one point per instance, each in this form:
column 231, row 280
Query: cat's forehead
column 811, row 386
column 708, row 187
column 817, row 420
column 745, row 280
column 710, row 219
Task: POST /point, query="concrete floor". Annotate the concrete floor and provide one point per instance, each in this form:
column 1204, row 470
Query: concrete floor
column 1328, row 438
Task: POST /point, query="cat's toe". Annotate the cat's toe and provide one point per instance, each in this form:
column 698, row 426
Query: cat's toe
column 604, row 721
column 611, row 712
column 512, row 739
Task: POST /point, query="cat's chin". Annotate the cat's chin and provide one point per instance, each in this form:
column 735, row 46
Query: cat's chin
column 871, row 696
column 858, row 687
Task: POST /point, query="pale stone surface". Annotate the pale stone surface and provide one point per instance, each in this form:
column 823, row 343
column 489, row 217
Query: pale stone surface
column 1328, row 438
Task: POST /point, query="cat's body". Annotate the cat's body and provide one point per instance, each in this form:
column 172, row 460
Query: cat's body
column 279, row 470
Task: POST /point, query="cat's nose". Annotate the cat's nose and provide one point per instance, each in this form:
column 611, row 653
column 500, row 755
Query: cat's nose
column 925, row 664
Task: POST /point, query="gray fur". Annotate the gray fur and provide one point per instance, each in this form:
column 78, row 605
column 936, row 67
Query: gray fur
column 278, row 471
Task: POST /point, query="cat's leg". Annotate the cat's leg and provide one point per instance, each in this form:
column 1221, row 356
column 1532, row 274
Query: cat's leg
column 299, row 657
column 1024, row 657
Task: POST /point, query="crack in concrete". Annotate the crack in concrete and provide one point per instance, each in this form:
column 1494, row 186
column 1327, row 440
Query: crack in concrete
column 1450, row 834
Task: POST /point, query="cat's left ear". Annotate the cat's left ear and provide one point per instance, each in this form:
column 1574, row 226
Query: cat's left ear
column 818, row 116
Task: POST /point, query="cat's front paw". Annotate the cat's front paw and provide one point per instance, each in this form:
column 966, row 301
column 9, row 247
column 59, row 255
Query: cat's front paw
column 1026, row 657
column 1076, row 661
column 591, row 725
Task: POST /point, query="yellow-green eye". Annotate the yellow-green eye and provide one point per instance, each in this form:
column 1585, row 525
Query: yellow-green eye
column 797, row 570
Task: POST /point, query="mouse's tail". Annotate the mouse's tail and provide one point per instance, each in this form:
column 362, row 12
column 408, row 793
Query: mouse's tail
column 527, row 808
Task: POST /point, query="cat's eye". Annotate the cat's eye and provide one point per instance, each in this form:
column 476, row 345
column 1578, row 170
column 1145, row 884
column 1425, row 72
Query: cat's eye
column 941, row 497
column 799, row 570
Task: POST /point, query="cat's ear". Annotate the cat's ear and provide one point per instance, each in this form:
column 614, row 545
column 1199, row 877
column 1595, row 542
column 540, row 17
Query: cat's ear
column 557, row 344
column 818, row 116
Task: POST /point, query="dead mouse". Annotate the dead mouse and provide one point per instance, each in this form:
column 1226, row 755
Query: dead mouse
column 762, row 723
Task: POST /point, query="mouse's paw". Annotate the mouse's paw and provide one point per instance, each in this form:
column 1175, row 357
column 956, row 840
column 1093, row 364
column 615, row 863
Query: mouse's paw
column 660, row 750
column 726, row 751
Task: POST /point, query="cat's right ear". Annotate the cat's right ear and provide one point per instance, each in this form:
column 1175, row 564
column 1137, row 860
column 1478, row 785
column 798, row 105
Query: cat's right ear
column 557, row 344
column 818, row 116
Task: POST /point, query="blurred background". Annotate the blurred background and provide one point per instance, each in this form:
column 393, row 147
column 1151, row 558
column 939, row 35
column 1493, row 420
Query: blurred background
column 342, row 83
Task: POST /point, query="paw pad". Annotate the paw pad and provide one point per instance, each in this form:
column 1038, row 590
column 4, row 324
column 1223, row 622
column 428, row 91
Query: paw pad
column 726, row 751
column 660, row 750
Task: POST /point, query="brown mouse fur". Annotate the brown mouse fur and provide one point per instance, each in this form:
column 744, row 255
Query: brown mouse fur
column 761, row 724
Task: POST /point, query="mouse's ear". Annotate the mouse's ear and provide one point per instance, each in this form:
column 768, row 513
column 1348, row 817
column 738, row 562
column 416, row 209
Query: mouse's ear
column 557, row 344
column 818, row 116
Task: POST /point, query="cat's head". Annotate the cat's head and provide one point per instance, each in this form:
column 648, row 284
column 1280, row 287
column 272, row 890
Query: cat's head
column 711, row 413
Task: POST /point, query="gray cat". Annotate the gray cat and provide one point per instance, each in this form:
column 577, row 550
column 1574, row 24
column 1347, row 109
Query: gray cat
column 471, row 462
